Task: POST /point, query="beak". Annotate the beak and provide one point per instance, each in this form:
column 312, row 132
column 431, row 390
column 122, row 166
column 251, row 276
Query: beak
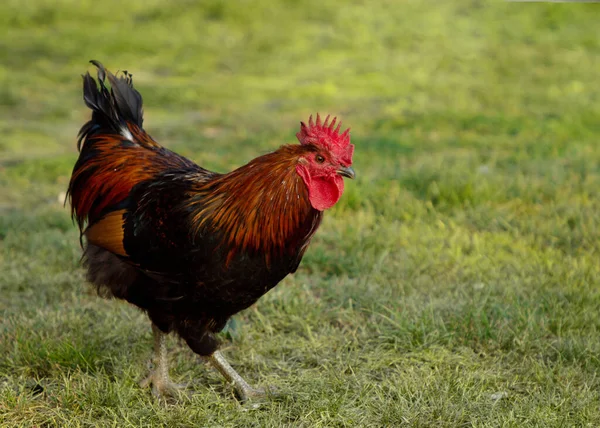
column 346, row 171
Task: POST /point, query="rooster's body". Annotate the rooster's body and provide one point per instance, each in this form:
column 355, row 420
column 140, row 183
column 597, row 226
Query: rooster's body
column 189, row 246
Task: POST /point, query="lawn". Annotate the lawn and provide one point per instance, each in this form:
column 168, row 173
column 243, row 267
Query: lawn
column 456, row 282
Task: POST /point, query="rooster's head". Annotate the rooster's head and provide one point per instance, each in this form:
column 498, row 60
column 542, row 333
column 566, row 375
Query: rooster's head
column 328, row 159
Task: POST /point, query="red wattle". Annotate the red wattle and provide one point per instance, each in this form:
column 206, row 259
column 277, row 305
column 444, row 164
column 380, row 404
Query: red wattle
column 323, row 191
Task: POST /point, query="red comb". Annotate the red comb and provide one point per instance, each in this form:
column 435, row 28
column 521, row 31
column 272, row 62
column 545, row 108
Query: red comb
column 324, row 134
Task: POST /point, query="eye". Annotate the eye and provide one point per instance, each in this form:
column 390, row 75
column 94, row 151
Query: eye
column 319, row 159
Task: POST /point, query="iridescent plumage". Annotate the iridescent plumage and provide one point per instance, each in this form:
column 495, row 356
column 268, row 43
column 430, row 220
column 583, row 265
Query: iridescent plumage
column 189, row 246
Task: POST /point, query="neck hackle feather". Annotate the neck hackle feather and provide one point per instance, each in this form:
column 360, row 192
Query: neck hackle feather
column 262, row 207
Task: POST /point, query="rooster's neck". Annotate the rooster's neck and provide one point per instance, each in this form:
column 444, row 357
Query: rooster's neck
column 262, row 206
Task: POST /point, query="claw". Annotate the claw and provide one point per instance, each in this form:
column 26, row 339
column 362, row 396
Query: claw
column 162, row 388
column 249, row 393
column 243, row 390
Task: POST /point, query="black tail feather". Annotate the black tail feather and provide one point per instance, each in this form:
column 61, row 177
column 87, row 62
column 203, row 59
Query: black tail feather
column 111, row 109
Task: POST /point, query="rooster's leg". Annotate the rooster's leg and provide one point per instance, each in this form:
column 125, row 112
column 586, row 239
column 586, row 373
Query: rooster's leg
column 162, row 386
column 243, row 389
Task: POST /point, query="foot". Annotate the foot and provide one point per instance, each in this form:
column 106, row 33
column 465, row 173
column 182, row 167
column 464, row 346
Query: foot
column 242, row 388
column 162, row 386
column 248, row 393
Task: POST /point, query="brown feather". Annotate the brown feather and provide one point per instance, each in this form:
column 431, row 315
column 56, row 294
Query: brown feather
column 108, row 233
column 260, row 206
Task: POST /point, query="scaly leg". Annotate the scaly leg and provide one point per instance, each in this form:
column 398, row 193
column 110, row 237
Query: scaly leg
column 243, row 389
column 162, row 386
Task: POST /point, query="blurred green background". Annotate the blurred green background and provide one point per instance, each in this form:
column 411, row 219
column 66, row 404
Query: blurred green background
column 456, row 282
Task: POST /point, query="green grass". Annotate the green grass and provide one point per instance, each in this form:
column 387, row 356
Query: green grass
column 455, row 284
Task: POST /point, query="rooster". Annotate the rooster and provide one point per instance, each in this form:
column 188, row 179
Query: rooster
column 188, row 246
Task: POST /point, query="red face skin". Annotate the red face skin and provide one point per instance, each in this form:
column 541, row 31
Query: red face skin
column 320, row 173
